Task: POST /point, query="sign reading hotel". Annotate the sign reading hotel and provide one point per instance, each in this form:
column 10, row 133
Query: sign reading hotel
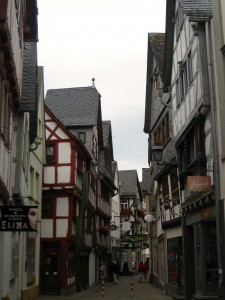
column 18, row 218
column 199, row 183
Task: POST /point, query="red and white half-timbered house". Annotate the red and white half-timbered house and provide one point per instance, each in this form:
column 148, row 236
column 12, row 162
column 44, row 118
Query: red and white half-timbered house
column 67, row 161
column 79, row 110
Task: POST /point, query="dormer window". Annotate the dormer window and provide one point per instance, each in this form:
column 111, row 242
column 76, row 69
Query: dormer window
column 82, row 136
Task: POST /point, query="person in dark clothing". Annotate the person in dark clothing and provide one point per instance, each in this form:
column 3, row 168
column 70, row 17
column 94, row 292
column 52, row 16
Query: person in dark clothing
column 125, row 268
column 115, row 270
column 141, row 269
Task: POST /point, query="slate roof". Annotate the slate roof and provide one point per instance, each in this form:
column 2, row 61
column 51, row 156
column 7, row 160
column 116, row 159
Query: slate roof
column 74, row 106
column 129, row 182
column 29, row 88
column 197, row 8
column 106, row 125
column 146, row 176
column 157, row 43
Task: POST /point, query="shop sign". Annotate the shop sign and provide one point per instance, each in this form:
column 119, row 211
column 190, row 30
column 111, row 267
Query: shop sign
column 199, row 183
column 112, row 227
column 18, row 218
column 126, row 226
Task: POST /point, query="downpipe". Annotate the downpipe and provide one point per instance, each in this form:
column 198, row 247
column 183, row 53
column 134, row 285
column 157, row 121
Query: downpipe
column 216, row 163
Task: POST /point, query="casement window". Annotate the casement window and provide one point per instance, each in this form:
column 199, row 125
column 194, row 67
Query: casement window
column 165, row 192
column 192, row 149
column 50, row 154
column 47, row 208
column 184, row 79
column 162, row 133
column 124, row 204
column 174, row 188
column 179, row 21
column 5, row 111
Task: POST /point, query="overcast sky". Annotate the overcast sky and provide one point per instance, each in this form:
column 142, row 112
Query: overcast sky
column 106, row 40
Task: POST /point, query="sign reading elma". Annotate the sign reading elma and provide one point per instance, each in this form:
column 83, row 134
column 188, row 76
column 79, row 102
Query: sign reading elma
column 18, row 218
column 199, row 183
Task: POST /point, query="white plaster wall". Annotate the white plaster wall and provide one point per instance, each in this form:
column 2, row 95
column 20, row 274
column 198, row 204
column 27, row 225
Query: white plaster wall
column 61, row 133
column 64, row 151
column 62, row 207
column 64, row 174
column 61, row 228
column 49, row 175
column 46, row 228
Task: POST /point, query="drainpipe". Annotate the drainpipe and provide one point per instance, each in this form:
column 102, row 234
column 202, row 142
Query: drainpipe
column 216, row 162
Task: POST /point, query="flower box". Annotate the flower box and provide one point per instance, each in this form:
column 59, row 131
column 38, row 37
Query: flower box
column 103, row 229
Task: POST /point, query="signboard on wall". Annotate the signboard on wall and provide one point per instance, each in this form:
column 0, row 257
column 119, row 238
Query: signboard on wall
column 18, row 218
column 199, row 183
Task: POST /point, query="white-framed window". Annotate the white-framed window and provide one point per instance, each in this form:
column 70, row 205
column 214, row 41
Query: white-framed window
column 5, row 111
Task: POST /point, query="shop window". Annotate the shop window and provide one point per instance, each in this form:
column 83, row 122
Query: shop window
column 175, row 261
column 206, row 267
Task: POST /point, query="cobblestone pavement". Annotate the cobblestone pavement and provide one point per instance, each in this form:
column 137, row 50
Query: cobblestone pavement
column 121, row 291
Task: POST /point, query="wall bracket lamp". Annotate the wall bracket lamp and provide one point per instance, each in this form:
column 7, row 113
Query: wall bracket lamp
column 157, row 152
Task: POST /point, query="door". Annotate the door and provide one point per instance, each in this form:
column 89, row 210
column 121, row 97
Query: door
column 50, row 271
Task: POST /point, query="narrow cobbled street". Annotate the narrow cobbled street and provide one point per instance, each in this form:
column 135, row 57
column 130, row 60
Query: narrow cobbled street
column 127, row 288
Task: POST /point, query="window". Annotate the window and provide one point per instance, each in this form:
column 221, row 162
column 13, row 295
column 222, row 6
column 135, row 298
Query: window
column 174, row 188
column 184, row 79
column 165, row 192
column 175, row 261
column 162, row 133
column 82, row 136
column 5, row 111
column 179, row 21
column 47, row 208
column 189, row 68
column 206, row 258
column 50, row 154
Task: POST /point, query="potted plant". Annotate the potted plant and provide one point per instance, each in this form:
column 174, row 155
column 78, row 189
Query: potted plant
column 103, row 229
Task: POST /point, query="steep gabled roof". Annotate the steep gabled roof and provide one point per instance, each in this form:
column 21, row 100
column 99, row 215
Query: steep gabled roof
column 146, row 177
column 156, row 47
column 107, row 136
column 129, row 183
column 74, row 106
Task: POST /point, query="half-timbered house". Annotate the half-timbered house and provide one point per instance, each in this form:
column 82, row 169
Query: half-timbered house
column 79, row 110
column 188, row 73
column 166, row 232
column 63, row 230
column 18, row 110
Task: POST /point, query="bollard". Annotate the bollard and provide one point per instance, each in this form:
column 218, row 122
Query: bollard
column 131, row 288
column 103, row 288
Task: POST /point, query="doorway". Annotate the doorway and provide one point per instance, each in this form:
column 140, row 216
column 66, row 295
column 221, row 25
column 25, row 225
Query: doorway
column 50, row 277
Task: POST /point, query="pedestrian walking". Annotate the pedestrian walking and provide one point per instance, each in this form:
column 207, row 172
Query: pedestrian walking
column 115, row 270
column 102, row 271
column 125, row 268
column 141, row 269
column 146, row 269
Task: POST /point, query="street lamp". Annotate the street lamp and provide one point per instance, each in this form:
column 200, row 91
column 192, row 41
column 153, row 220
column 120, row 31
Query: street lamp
column 157, row 153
